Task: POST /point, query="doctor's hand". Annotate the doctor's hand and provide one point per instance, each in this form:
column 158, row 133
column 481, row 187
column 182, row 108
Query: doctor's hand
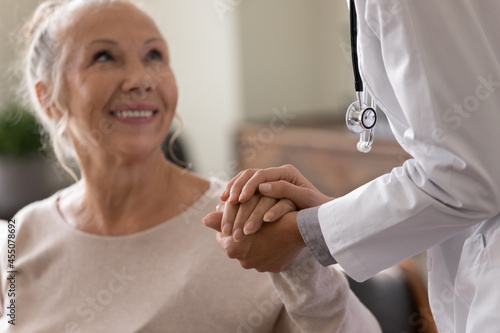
column 245, row 218
column 280, row 182
column 269, row 250
column 284, row 182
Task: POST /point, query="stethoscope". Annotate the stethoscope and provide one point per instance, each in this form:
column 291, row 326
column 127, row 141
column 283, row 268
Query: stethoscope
column 361, row 117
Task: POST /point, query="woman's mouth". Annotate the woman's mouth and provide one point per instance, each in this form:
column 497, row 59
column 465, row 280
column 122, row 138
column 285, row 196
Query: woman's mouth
column 134, row 114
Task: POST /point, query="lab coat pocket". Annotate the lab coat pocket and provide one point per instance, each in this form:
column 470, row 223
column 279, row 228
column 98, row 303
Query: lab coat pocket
column 469, row 266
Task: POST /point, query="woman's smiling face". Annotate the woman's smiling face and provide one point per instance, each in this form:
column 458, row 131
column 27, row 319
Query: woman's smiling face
column 120, row 90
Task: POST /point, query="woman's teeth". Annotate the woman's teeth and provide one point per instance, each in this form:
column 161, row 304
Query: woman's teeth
column 133, row 114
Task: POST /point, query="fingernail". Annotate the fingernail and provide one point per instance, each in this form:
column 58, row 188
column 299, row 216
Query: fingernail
column 241, row 195
column 263, row 188
column 232, row 197
column 226, row 230
column 238, row 235
column 268, row 217
column 248, row 229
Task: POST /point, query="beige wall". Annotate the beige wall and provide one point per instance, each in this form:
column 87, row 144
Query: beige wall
column 206, row 61
column 296, row 54
column 12, row 13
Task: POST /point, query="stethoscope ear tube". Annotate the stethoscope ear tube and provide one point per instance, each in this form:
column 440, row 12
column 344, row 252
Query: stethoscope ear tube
column 358, row 82
column 360, row 118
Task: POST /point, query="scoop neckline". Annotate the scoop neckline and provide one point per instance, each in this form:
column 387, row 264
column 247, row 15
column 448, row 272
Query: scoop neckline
column 214, row 185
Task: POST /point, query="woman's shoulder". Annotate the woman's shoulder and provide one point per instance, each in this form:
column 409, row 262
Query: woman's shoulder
column 40, row 210
column 217, row 185
column 197, row 186
column 36, row 208
column 213, row 189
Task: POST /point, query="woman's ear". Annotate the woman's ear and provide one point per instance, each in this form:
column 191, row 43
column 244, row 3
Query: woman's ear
column 42, row 96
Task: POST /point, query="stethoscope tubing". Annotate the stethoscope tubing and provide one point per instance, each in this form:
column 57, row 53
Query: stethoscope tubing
column 358, row 82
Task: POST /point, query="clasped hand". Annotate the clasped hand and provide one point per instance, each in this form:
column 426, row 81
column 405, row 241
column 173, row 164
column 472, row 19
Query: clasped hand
column 256, row 196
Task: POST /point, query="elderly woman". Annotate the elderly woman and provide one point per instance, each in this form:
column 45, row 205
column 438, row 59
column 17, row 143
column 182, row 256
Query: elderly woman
column 124, row 249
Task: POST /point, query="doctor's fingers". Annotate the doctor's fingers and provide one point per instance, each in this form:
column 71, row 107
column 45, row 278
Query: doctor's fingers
column 230, row 214
column 247, row 182
column 302, row 197
column 253, row 210
column 272, row 214
column 230, row 193
column 251, row 223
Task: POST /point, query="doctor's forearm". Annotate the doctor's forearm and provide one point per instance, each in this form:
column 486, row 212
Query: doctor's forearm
column 310, row 229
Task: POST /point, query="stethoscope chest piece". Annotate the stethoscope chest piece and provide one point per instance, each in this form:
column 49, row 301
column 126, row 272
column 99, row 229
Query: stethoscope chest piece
column 359, row 119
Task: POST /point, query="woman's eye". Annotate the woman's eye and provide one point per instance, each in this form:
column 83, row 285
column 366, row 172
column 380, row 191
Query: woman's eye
column 103, row 56
column 155, row 55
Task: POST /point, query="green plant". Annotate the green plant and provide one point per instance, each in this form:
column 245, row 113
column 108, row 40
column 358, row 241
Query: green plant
column 19, row 132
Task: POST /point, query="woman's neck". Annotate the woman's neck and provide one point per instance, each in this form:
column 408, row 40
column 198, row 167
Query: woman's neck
column 117, row 197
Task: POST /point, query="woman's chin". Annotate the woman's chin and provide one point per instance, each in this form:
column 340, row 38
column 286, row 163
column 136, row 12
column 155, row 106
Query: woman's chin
column 126, row 148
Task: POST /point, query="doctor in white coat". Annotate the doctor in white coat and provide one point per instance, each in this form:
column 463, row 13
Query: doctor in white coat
column 433, row 67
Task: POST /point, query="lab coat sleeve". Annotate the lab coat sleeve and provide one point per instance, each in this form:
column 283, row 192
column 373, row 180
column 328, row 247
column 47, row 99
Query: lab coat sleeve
column 433, row 68
column 318, row 299
column 310, row 230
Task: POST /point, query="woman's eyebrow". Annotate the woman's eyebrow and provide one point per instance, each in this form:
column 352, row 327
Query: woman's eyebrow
column 112, row 42
column 154, row 39
column 105, row 41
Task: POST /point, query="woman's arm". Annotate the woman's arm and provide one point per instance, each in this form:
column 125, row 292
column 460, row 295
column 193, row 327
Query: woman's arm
column 318, row 299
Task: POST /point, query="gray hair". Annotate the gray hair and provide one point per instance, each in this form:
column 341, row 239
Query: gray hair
column 45, row 56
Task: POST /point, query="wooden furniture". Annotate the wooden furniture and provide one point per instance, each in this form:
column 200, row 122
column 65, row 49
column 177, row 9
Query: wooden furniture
column 326, row 156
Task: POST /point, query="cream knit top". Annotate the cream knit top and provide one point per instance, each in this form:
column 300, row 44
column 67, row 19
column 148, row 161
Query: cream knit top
column 170, row 278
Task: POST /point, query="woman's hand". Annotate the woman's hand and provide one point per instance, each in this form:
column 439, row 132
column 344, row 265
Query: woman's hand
column 284, row 182
column 271, row 249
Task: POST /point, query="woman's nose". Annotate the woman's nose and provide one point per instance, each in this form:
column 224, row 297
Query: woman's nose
column 138, row 78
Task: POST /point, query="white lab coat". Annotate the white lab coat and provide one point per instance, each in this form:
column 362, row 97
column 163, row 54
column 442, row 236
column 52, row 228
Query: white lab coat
column 433, row 68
